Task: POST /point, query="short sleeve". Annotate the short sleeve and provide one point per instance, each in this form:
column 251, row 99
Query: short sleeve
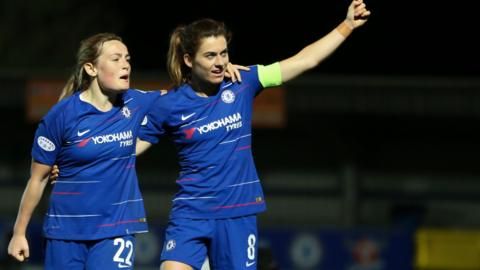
column 48, row 139
column 251, row 80
column 152, row 126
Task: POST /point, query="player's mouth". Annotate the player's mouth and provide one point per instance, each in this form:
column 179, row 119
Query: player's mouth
column 218, row 72
column 125, row 77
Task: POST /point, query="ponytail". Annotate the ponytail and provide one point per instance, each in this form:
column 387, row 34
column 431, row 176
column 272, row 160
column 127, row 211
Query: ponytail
column 187, row 40
column 89, row 51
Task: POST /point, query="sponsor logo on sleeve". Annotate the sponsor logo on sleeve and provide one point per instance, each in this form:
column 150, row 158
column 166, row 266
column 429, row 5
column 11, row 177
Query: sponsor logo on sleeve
column 170, row 245
column 45, row 144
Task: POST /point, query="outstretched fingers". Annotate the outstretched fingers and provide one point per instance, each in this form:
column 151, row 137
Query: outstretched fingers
column 233, row 72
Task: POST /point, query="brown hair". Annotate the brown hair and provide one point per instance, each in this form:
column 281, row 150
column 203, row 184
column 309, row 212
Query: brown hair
column 88, row 52
column 187, row 40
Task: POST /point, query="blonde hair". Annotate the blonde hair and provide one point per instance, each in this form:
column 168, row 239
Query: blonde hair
column 89, row 51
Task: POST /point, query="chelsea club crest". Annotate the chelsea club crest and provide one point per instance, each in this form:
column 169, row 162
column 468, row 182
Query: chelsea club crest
column 228, row 96
column 126, row 112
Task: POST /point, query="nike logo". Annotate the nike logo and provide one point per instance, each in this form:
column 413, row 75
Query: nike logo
column 248, row 264
column 185, row 117
column 81, row 133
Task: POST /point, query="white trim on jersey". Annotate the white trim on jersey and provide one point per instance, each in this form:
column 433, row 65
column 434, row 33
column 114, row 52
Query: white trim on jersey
column 77, row 182
column 117, row 158
column 244, row 183
column 194, row 121
column 193, row 198
column 127, row 201
column 72, row 216
column 234, row 140
column 227, row 85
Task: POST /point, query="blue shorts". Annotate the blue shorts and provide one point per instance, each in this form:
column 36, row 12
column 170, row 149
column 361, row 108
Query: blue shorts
column 229, row 243
column 106, row 254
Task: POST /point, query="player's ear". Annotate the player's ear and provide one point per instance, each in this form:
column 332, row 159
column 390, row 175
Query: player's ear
column 187, row 59
column 90, row 69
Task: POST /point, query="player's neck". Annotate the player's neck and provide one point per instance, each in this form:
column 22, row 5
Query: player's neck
column 204, row 89
column 101, row 100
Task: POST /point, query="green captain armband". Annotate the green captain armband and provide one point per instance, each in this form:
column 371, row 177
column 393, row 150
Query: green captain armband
column 270, row 75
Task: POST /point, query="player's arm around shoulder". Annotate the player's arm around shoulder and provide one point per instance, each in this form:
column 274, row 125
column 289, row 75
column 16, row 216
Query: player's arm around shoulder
column 141, row 147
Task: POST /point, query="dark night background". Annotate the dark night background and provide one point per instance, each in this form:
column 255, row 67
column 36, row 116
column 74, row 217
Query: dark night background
column 408, row 37
column 411, row 37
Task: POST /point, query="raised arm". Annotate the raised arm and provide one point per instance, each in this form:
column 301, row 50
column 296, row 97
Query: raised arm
column 18, row 247
column 313, row 54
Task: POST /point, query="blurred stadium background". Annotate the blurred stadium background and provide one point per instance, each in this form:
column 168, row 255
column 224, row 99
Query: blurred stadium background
column 368, row 162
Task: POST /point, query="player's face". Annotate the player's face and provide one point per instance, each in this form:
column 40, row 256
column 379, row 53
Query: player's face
column 211, row 60
column 113, row 66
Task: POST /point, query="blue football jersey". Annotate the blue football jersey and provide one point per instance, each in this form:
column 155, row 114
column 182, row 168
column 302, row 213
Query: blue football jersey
column 96, row 195
column 218, row 178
